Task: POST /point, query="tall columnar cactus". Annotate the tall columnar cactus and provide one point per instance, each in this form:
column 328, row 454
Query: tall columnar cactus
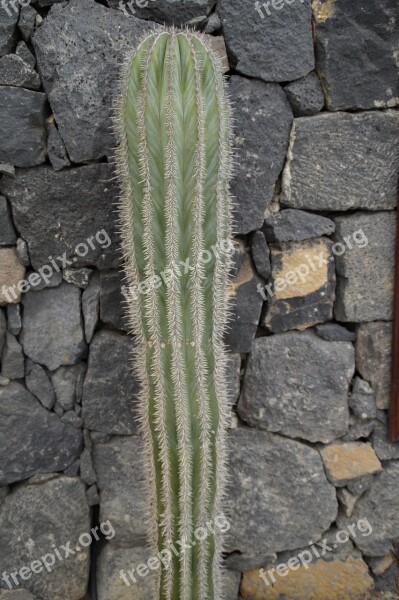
column 174, row 164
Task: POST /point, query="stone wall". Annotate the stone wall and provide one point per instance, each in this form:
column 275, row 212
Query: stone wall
column 315, row 90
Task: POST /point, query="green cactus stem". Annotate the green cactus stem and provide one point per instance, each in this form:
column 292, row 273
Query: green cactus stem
column 174, row 164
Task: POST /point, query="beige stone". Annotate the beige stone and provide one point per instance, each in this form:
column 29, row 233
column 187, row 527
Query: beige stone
column 349, row 461
column 347, row 500
column 11, row 273
column 349, row 580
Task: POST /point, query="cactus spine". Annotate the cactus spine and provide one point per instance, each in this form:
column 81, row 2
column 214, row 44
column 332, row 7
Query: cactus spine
column 174, row 164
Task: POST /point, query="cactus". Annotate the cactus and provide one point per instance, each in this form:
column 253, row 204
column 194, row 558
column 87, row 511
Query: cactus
column 173, row 161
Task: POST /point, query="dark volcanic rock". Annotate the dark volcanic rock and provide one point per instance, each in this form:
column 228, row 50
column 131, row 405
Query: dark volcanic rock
column 23, row 52
column 168, row 12
column 27, row 21
column 288, row 389
column 373, row 358
column 7, row 231
column 14, row 321
column 296, row 225
column 91, row 306
column 67, row 382
column 23, row 139
column 112, row 308
column 274, row 482
column 343, row 161
column 332, row 332
column 56, row 148
column 33, row 439
column 305, row 95
column 8, row 29
column 52, row 331
column 3, row 331
column 12, row 363
column 258, row 107
column 15, row 72
column 66, row 214
column 365, row 246
column 356, row 45
column 110, row 388
column 274, row 44
column 39, row 384
column 89, row 56
column 261, row 255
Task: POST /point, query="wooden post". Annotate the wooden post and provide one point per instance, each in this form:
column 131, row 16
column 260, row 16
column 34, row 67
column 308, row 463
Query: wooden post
column 394, row 410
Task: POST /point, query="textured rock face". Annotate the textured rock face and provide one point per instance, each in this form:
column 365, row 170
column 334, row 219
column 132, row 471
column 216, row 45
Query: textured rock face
column 23, row 140
column 259, row 107
column 8, row 30
column 7, row 231
column 12, row 362
column 274, row 44
column 301, row 291
column 53, row 220
column 273, row 485
column 120, row 479
column 14, row 71
column 342, row 162
column 111, row 586
column 89, row 57
column 300, row 398
column 45, row 445
column 363, row 37
column 112, row 308
column 110, row 388
column 52, row 332
column 261, row 255
column 351, row 580
column 11, row 274
column 347, row 462
column 39, row 385
column 373, row 358
column 305, row 95
column 168, row 12
column 296, row 225
column 36, row 518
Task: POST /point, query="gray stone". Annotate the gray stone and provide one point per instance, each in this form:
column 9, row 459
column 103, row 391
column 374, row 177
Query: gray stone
column 373, row 358
column 66, row 381
column 73, row 470
column 123, row 497
column 79, row 277
column 8, row 29
column 51, row 217
column 362, row 400
column 111, row 562
column 274, row 482
column 112, row 308
column 246, row 305
column 26, row 23
column 87, row 472
column 272, row 44
column 7, row 231
column 168, row 12
column 23, row 139
column 372, row 255
column 233, row 372
column 300, row 398
column 381, row 444
column 231, row 584
column 3, row 331
column 305, row 95
column 380, row 506
column 92, row 496
column 56, row 149
column 197, row 22
column 72, row 419
column 358, row 429
column 15, row 72
column 332, row 332
column 52, row 332
column 39, row 384
column 14, row 320
column 343, row 161
column 296, row 225
column 16, row 595
column 347, row 500
column 33, row 439
column 23, row 52
column 301, row 291
column 7, row 169
column 261, row 255
column 52, row 281
column 357, row 488
column 90, row 56
column 213, row 24
column 23, row 252
column 91, row 306
column 363, row 38
column 258, row 107
column 36, row 518
column 110, row 387
column 13, row 362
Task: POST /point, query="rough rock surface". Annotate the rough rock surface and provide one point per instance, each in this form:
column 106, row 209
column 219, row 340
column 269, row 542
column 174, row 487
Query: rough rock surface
column 362, row 37
column 373, row 257
column 51, row 216
column 8, row 30
column 345, row 463
column 7, row 231
column 68, row 383
column 305, row 95
column 110, row 585
column 301, row 291
column 91, row 306
column 39, row 384
column 362, row 400
column 296, row 225
column 276, row 46
column 383, row 448
column 3, row 331
column 56, row 149
column 332, row 332
column 11, row 274
column 52, row 332
column 14, row 71
column 23, row 139
column 35, row 517
column 258, row 107
column 112, row 308
column 14, row 321
column 120, row 480
column 33, row 439
column 110, row 388
column 168, row 12
column 261, row 255
column 81, row 69
column 343, row 161
column 273, row 485
column 373, row 358
column 299, row 398
column 12, row 362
